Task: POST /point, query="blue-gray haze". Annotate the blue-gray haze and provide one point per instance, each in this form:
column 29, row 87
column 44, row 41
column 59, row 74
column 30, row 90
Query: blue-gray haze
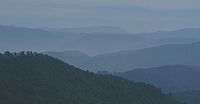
column 134, row 15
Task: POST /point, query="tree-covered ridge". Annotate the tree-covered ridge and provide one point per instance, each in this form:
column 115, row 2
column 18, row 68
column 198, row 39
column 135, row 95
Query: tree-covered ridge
column 188, row 97
column 32, row 78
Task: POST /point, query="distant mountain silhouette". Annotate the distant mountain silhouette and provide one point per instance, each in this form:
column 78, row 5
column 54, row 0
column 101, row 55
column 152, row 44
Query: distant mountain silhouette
column 21, row 38
column 31, row 78
column 71, row 57
column 92, row 29
column 184, row 54
column 181, row 33
column 110, row 42
column 92, row 42
column 174, row 78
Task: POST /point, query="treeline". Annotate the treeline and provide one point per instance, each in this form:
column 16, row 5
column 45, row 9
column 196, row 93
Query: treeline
column 22, row 53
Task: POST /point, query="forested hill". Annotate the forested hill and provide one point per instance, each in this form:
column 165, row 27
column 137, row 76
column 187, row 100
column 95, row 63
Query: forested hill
column 32, row 78
column 188, row 97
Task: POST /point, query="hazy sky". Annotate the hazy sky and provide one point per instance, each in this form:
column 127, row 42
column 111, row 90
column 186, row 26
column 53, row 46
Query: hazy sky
column 134, row 15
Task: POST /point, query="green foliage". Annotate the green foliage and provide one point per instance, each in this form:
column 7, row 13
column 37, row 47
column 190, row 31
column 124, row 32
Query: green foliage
column 32, row 78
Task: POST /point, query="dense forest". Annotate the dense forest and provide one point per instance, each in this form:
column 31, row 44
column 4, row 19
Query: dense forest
column 188, row 97
column 32, row 78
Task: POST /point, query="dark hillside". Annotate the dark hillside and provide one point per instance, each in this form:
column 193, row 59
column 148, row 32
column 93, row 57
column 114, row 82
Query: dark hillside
column 31, row 78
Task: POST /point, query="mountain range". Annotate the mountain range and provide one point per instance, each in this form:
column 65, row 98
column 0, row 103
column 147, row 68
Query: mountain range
column 181, row 33
column 171, row 78
column 183, row 54
column 92, row 43
column 90, row 29
column 32, row 78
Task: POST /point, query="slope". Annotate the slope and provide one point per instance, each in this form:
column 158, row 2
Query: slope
column 171, row 78
column 184, row 54
column 31, row 78
column 189, row 97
